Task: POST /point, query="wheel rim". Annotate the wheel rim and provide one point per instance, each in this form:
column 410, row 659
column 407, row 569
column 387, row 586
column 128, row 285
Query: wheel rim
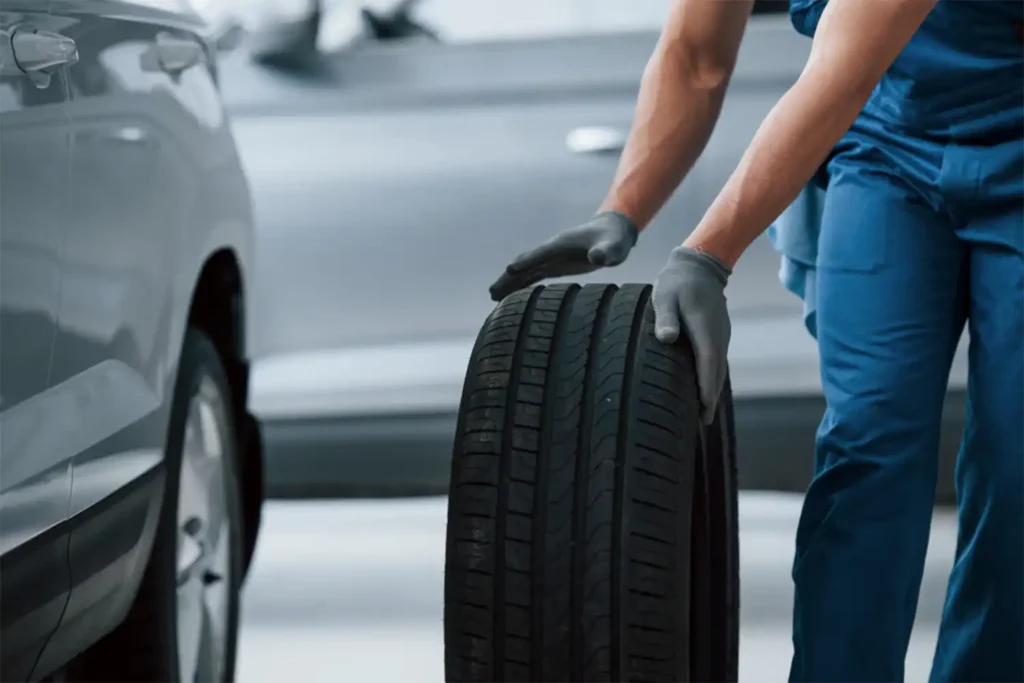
column 203, row 554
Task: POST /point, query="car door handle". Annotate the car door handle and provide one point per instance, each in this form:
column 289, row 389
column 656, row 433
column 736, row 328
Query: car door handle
column 171, row 54
column 596, row 140
column 42, row 51
column 35, row 54
column 128, row 136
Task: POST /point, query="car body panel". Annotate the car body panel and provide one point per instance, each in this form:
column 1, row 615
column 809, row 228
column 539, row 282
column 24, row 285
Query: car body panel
column 455, row 158
column 35, row 473
column 409, row 453
column 156, row 190
column 449, row 160
column 393, row 182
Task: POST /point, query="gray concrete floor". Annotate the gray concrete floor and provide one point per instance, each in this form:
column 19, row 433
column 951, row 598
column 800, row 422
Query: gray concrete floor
column 352, row 591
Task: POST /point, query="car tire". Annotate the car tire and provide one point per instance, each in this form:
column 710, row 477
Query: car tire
column 167, row 634
column 715, row 578
column 591, row 522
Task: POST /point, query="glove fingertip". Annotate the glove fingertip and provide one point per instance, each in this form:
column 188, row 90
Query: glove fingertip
column 503, row 286
column 666, row 335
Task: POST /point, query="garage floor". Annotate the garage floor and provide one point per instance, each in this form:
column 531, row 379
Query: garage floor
column 353, row 590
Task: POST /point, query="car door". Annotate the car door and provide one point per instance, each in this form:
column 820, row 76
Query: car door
column 578, row 79
column 394, row 184
column 392, row 187
column 35, row 465
column 138, row 96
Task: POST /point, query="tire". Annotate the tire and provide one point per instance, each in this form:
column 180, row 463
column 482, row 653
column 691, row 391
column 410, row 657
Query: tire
column 587, row 506
column 146, row 646
column 714, row 644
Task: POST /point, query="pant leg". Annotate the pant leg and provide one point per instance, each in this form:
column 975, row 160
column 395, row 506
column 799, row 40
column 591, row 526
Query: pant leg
column 982, row 631
column 889, row 317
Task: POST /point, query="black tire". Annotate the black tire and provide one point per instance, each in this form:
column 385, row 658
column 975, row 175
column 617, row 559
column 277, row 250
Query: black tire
column 144, row 648
column 581, row 481
column 714, row 643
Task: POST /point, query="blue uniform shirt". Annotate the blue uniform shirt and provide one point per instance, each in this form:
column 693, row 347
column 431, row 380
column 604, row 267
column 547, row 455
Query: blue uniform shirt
column 960, row 77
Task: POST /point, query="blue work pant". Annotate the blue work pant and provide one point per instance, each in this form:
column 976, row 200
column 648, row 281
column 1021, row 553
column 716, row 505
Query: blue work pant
column 918, row 237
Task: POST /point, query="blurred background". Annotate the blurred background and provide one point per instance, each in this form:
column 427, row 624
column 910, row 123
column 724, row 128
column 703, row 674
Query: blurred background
column 399, row 154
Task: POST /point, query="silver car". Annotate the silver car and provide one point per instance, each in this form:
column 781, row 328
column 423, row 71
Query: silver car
column 130, row 466
column 402, row 153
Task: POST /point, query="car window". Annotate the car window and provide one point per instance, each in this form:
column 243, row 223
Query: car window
column 457, row 21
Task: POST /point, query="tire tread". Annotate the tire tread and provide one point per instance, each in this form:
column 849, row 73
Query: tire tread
column 570, row 523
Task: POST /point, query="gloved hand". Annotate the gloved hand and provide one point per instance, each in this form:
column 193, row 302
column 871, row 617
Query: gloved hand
column 689, row 297
column 605, row 240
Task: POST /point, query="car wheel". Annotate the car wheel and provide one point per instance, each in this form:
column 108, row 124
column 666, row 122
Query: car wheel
column 584, row 537
column 183, row 625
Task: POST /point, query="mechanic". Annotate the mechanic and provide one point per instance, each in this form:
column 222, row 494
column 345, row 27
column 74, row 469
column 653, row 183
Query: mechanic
column 910, row 115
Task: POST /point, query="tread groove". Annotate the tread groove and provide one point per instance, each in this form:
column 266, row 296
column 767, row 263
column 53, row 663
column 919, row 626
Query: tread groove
column 619, row 566
column 583, row 451
column 504, row 464
column 538, row 558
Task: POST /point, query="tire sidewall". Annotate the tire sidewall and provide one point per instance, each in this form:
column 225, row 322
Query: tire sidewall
column 199, row 361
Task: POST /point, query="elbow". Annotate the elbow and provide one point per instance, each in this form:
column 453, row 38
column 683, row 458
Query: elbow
column 694, row 67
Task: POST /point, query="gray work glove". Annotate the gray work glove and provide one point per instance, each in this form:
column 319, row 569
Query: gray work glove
column 605, row 240
column 689, row 297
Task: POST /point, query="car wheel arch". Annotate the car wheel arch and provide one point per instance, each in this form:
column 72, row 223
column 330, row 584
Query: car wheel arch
column 218, row 308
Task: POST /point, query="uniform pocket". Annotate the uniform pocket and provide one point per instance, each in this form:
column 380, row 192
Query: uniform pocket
column 854, row 225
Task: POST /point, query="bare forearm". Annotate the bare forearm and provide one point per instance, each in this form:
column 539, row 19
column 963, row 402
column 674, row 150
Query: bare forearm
column 680, row 98
column 787, row 149
column 855, row 43
column 675, row 115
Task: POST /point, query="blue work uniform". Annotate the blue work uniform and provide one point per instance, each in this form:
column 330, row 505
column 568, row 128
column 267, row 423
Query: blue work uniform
column 913, row 228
